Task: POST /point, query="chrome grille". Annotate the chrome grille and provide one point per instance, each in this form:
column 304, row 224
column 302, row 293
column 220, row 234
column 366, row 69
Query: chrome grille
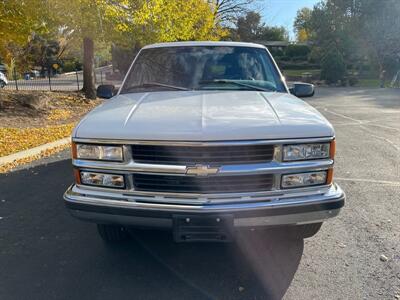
column 205, row 155
column 204, row 185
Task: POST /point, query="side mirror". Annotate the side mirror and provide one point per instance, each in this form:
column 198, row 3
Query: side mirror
column 300, row 89
column 105, row 91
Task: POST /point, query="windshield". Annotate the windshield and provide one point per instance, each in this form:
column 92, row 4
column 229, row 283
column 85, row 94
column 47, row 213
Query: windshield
column 203, row 68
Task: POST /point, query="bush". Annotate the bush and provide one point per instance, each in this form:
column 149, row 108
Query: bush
column 284, row 58
column 333, row 68
column 276, row 52
column 71, row 65
column 353, row 80
column 298, row 66
column 297, row 51
column 299, row 58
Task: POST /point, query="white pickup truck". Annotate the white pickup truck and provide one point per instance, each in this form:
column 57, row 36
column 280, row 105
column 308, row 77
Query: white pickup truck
column 204, row 139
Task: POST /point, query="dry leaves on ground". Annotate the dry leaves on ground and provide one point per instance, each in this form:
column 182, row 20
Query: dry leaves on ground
column 45, row 153
column 59, row 114
column 13, row 140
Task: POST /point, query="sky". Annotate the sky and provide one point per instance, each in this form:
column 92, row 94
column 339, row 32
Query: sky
column 282, row 12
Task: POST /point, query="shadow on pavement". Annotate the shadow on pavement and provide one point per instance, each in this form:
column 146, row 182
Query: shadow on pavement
column 46, row 254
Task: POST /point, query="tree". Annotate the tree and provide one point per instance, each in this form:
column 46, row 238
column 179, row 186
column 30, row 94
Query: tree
column 84, row 20
column 174, row 20
column 126, row 23
column 249, row 28
column 229, row 11
column 18, row 19
column 42, row 52
column 379, row 27
column 143, row 22
column 273, row 33
column 356, row 29
column 302, row 24
column 333, row 68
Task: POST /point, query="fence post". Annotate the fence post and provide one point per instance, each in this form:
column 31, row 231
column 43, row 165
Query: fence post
column 15, row 79
column 101, row 77
column 77, row 79
column 48, row 73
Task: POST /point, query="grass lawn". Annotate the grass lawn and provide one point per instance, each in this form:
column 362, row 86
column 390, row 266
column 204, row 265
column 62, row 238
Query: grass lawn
column 370, row 83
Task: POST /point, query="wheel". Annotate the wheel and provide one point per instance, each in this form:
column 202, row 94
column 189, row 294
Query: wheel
column 304, row 231
column 2, row 84
column 112, row 233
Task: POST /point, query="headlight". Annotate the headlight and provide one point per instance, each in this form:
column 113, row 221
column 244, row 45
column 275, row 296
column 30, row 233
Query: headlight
column 306, row 151
column 97, row 152
column 304, row 179
column 102, row 179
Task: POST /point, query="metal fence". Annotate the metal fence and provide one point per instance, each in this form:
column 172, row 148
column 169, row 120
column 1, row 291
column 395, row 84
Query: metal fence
column 72, row 81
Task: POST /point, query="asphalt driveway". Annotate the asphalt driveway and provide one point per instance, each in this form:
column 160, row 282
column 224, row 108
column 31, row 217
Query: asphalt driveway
column 46, row 254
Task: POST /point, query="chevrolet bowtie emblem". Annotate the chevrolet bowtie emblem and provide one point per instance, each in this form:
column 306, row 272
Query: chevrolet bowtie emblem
column 201, row 170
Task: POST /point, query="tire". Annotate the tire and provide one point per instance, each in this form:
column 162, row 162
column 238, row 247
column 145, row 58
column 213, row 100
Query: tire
column 2, row 84
column 305, row 231
column 112, row 233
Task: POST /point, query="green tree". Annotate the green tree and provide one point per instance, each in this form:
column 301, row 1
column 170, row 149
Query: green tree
column 42, row 52
column 379, row 28
column 333, row 67
column 356, row 29
column 249, row 28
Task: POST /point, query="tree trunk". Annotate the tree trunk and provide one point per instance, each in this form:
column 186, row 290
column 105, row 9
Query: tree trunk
column 89, row 87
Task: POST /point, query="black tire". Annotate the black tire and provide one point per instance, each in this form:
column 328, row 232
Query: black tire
column 2, row 84
column 305, row 231
column 112, row 233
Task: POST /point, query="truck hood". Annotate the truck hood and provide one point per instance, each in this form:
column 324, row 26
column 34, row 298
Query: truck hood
column 203, row 116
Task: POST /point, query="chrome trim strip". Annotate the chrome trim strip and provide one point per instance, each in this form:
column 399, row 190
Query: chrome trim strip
column 272, row 167
column 333, row 194
column 195, row 199
column 203, row 143
column 298, row 219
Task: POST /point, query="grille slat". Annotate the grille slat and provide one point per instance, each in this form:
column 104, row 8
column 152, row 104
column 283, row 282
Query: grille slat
column 195, row 184
column 192, row 155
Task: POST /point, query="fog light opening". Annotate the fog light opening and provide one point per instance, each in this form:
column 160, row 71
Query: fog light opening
column 304, row 179
column 102, row 179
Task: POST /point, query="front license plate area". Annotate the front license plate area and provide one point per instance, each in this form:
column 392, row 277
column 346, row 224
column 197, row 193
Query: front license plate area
column 203, row 229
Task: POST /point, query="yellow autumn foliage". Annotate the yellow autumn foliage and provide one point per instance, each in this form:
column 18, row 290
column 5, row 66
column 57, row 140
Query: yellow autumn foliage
column 45, row 153
column 302, row 35
column 150, row 21
column 13, row 140
column 174, row 20
column 59, row 114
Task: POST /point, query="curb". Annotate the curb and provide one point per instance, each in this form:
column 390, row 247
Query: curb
column 33, row 151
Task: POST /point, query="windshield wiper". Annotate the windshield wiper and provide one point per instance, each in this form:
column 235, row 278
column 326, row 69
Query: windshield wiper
column 224, row 81
column 155, row 84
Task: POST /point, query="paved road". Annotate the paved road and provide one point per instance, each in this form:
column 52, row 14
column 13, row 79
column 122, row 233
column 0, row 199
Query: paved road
column 45, row 254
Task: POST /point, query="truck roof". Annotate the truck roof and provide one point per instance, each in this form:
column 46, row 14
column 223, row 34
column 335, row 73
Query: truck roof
column 204, row 43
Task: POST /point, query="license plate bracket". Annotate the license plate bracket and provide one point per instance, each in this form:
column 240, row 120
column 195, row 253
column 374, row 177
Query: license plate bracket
column 189, row 228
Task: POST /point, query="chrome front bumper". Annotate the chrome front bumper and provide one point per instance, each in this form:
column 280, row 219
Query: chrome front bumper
column 121, row 209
